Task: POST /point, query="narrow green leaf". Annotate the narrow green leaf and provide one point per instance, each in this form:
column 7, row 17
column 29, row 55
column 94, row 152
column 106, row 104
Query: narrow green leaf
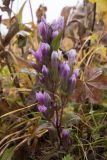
column 19, row 15
column 56, row 42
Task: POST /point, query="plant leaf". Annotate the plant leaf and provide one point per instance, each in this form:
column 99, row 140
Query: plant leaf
column 100, row 82
column 67, row 157
column 92, row 85
column 19, row 15
column 56, row 42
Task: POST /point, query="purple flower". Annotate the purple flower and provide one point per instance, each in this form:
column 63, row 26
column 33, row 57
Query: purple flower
column 65, row 133
column 54, row 59
column 45, row 70
column 71, row 83
column 47, row 98
column 42, row 52
column 76, row 72
column 44, row 47
column 65, row 138
column 58, row 25
column 40, row 97
column 72, row 80
column 43, row 98
column 54, row 34
column 71, row 56
column 42, row 108
column 37, row 54
column 43, row 29
column 64, row 70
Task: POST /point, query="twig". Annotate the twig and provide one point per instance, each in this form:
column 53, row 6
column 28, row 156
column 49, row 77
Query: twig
column 94, row 10
column 31, row 11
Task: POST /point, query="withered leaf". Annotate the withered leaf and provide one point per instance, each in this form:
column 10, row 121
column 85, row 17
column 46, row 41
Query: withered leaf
column 6, row 3
column 91, row 86
column 6, row 9
column 4, row 106
column 14, row 28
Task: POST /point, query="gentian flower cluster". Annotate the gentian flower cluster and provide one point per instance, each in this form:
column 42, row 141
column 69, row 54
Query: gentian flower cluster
column 50, row 31
column 55, row 76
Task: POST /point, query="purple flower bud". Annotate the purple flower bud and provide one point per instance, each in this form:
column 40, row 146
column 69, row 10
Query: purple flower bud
column 42, row 109
column 34, row 65
column 65, row 138
column 43, row 98
column 42, row 52
column 44, row 49
column 65, row 133
column 54, row 59
column 40, row 97
column 43, row 29
column 72, row 80
column 71, row 83
column 65, row 70
column 71, row 56
column 47, row 99
column 37, row 54
column 54, row 34
column 45, row 70
column 58, row 25
column 76, row 72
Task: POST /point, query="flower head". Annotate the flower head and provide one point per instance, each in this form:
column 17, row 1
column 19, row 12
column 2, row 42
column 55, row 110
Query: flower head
column 71, row 83
column 40, row 97
column 43, row 98
column 54, row 59
column 42, row 52
column 45, row 70
column 37, row 54
column 76, row 72
column 64, row 70
column 72, row 80
column 44, row 49
column 65, row 138
column 58, row 25
column 65, row 133
column 71, row 56
column 47, row 99
column 42, row 108
column 43, row 29
column 54, row 34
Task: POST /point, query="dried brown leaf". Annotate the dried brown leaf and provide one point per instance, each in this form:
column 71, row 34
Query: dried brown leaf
column 92, row 85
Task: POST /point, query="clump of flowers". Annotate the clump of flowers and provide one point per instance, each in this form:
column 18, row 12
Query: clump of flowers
column 56, row 78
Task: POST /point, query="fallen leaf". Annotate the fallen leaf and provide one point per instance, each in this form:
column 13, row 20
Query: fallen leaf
column 91, row 86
